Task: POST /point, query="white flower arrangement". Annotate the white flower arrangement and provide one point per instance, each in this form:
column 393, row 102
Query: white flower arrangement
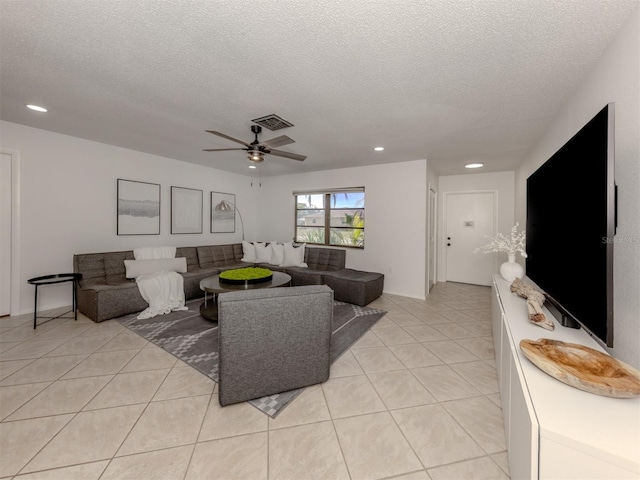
column 502, row 243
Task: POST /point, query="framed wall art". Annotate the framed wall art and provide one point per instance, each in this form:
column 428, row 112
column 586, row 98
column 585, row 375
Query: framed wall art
column 186, row 210
column 138, row 208
column 223, row 212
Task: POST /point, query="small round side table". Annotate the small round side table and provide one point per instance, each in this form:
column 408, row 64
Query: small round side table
column 51, row 280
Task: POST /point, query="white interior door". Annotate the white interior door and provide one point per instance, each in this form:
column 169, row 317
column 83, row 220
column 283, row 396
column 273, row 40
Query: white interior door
column 432, row 239
column 469, row 220
column 5, row 234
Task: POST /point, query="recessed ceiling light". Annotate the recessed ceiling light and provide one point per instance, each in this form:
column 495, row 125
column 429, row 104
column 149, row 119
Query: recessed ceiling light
column 37, row 108
column 252, row 166
column 474, row 165
column 379, row 149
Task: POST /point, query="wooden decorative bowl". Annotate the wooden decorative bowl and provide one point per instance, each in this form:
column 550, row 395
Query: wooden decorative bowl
column 583, row 367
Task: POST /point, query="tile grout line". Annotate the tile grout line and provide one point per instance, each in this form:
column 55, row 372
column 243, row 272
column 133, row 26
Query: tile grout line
column 197, row 441
column 269, row 426
column 344, row 458
column 75, row 415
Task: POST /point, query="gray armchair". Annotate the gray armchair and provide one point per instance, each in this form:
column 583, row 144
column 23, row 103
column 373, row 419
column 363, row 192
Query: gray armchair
column 273, row 340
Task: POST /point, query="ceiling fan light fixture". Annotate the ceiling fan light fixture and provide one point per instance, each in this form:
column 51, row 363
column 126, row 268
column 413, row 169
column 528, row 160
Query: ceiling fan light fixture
column 256, row 157
column 256, row 150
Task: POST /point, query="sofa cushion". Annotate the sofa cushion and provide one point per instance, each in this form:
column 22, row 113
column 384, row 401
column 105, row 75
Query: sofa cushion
column 114, row 266
column 355, row 286
column 325, row 258
column 191, row 254
column 115, row 287
column 304, row 276
column 201, row 272
column 103, row 302
column 217, row 256
column 91, row 266
column 273, row 268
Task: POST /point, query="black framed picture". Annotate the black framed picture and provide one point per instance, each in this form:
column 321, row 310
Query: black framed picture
column 186, row 210
column 138, row 208
column 223, row 212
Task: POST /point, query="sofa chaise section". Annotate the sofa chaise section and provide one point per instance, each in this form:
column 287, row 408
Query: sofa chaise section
column 355, row 286
column 319, row 261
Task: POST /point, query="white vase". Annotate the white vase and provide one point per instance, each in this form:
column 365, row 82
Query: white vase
column 511, row 270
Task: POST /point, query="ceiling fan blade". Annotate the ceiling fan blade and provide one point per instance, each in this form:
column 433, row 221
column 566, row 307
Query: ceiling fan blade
column 278, row 141
column 221, row 149
column 292, row 156
column 228, row 137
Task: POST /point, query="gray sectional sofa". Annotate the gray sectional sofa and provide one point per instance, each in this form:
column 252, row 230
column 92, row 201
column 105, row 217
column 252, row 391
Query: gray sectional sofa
column 104, row 292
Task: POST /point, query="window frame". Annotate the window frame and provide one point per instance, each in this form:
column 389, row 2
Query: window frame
column 326, row 225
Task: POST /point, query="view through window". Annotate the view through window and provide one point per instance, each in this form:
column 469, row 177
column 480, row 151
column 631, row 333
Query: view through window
column 334, row 217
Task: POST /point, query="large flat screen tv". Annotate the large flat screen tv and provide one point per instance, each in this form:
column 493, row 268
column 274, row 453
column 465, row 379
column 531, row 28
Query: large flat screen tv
column 571, row 227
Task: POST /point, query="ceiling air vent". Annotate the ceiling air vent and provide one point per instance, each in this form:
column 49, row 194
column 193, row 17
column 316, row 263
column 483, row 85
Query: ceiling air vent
column 272, row 122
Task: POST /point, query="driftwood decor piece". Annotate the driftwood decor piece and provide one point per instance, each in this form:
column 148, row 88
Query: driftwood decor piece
column 583, row 367
column 535, row 299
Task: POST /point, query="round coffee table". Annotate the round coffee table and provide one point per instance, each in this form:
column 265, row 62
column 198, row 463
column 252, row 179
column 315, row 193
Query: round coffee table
column 213, row 285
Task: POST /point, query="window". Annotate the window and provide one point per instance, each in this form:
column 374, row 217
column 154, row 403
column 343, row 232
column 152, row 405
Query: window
column 331, row 217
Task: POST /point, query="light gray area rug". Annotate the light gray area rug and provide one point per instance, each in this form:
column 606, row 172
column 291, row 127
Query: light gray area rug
column 194, row 340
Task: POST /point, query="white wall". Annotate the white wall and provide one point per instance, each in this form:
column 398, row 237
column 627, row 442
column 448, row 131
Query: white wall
column 68, row 202
column 615, row 78
column 395, row 232
column 502, row 182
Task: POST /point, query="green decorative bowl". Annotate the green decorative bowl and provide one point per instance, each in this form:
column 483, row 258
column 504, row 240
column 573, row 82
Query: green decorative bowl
column 246, row 276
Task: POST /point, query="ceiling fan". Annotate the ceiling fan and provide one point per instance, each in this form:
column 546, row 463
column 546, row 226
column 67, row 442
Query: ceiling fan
column 257, row 150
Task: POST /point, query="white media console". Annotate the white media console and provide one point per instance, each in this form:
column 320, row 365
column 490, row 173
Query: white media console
column 555, row 431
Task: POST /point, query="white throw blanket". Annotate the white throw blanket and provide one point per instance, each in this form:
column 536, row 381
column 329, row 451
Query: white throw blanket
column 163, row 290
column 147, row 253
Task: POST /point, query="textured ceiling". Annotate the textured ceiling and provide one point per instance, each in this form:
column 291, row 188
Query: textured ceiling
column 451, row 81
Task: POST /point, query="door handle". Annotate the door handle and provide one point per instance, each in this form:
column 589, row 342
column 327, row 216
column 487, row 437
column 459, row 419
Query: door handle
column 448, row 244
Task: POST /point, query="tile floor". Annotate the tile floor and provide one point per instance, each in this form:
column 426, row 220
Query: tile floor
column 415, row 398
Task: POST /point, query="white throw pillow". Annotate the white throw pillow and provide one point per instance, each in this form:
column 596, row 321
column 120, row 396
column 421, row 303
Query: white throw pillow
column 277, row 253
column 263, row 252
column 293, row 256
column 248, row 252
column 135, row 268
